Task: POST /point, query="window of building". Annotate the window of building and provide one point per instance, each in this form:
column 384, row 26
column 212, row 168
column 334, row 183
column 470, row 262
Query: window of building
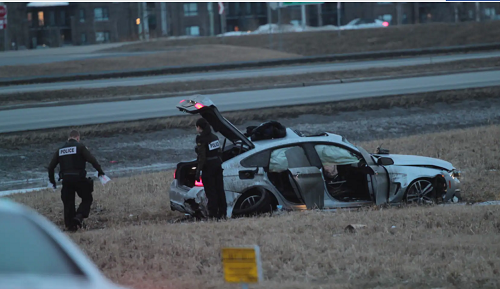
column 261, row 8
column 84, row 38
column 52, row 18
column 82, row 15
column 102, row 36
column 101, row 14
column 237, row 9
column 193, row 30
column 190, row 9
column 490, row 13
column 29, row 17
column 63, row 18
column 248, row 8
column 40, row 19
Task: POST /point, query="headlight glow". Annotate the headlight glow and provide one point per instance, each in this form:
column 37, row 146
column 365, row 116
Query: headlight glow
column 456, row 174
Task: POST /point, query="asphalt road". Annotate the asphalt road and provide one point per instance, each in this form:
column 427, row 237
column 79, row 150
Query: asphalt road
column 232, row 74
column 84, row 114
column 42, row 59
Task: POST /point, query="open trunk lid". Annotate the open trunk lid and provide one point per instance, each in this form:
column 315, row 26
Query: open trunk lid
column 202, row 105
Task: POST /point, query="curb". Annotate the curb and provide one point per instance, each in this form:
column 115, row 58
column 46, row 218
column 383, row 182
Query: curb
column 229, row 90
column 248, row 64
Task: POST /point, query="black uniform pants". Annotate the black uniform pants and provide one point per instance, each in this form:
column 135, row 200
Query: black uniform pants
column 84, row 188
column 213, row 183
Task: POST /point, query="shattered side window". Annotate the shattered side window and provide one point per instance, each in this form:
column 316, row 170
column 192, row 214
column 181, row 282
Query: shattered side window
column 334, row 155
column 260, row 159
column 288, row 157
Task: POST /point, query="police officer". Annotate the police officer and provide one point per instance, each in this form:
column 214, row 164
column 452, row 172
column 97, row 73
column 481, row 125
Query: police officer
column 72, row 158
column 208, row 149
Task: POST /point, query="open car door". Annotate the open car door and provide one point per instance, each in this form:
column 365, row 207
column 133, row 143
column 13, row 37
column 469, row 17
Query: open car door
column 202, row 105
column 307, row 182
column 309, row 186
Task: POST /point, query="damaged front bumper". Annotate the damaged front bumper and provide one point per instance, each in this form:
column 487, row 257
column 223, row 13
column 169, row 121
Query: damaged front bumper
column 452, row 185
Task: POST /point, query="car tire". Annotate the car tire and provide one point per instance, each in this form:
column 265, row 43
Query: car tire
column 254, row 202
column 421, row 192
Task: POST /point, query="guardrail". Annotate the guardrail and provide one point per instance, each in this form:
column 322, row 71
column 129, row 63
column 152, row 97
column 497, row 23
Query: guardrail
column 247, row 64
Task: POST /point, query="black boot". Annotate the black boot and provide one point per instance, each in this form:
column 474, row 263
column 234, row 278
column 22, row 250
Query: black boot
column 78, row 221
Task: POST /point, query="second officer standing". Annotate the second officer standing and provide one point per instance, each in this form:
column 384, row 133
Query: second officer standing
column 208, row 149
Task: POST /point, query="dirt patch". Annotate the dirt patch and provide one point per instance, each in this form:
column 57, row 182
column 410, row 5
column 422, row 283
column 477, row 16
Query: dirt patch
column 203, row 54
column 210, row 86
column 327, row 42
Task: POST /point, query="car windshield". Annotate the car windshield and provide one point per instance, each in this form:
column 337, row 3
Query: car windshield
column 352, row 22
column 26, row 249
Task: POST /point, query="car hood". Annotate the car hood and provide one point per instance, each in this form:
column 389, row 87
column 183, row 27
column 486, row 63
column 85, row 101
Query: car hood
column 199, row 104
column 409, row 160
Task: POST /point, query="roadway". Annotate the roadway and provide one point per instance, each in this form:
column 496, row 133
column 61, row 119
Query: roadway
column 234, row 74
column 94, row 113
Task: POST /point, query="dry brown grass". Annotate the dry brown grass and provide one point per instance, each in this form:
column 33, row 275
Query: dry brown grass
column 127, row 201
column 475, row 151
column 212, row 86
column 130, row 239
column 319, row 43
column 422, row 99
column 203, row 54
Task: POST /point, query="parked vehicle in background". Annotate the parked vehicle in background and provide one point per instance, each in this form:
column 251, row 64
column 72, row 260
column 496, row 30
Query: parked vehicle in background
column 362, row 23
column 36, row 254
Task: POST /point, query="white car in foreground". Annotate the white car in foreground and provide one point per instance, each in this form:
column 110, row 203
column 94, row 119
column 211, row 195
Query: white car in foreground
column 34, row 254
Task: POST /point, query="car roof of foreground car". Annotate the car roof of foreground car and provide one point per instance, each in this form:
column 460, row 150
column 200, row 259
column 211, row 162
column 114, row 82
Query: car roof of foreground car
column 90, row 276
column 293, row 137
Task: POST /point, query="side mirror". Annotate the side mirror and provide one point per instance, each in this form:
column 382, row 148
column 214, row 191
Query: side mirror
column 383, row 161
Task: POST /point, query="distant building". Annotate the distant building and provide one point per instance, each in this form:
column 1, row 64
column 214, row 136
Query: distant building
column 53, row 24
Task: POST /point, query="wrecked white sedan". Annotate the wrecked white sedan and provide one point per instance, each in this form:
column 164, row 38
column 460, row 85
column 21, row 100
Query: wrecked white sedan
column 295, row 172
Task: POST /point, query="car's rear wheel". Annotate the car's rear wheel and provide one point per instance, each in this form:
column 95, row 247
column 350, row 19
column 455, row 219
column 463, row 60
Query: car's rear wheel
column 421, row 192
column 254, row 202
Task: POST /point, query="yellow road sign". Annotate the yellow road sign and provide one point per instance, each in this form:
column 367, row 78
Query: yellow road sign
column 242, row 264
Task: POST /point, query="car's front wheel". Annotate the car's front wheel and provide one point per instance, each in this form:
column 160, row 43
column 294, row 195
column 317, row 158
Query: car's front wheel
column 421, row 192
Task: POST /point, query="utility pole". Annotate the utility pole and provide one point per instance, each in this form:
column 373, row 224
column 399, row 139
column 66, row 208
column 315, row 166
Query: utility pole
column 211, row 16
column 145, row 21
column 269, row 23
column 139, row 24
column 320, row 18
column 223, row 21
column 303, row 12
column 338, row 17
column 163, row 8
column 279, row 30
column 478, row 12
column 399, row 12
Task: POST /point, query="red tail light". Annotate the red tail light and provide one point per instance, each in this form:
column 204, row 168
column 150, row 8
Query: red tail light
column 199, row 105
column 175, row 173
column 385, row 23
column 182, row 101
column 198, row 184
